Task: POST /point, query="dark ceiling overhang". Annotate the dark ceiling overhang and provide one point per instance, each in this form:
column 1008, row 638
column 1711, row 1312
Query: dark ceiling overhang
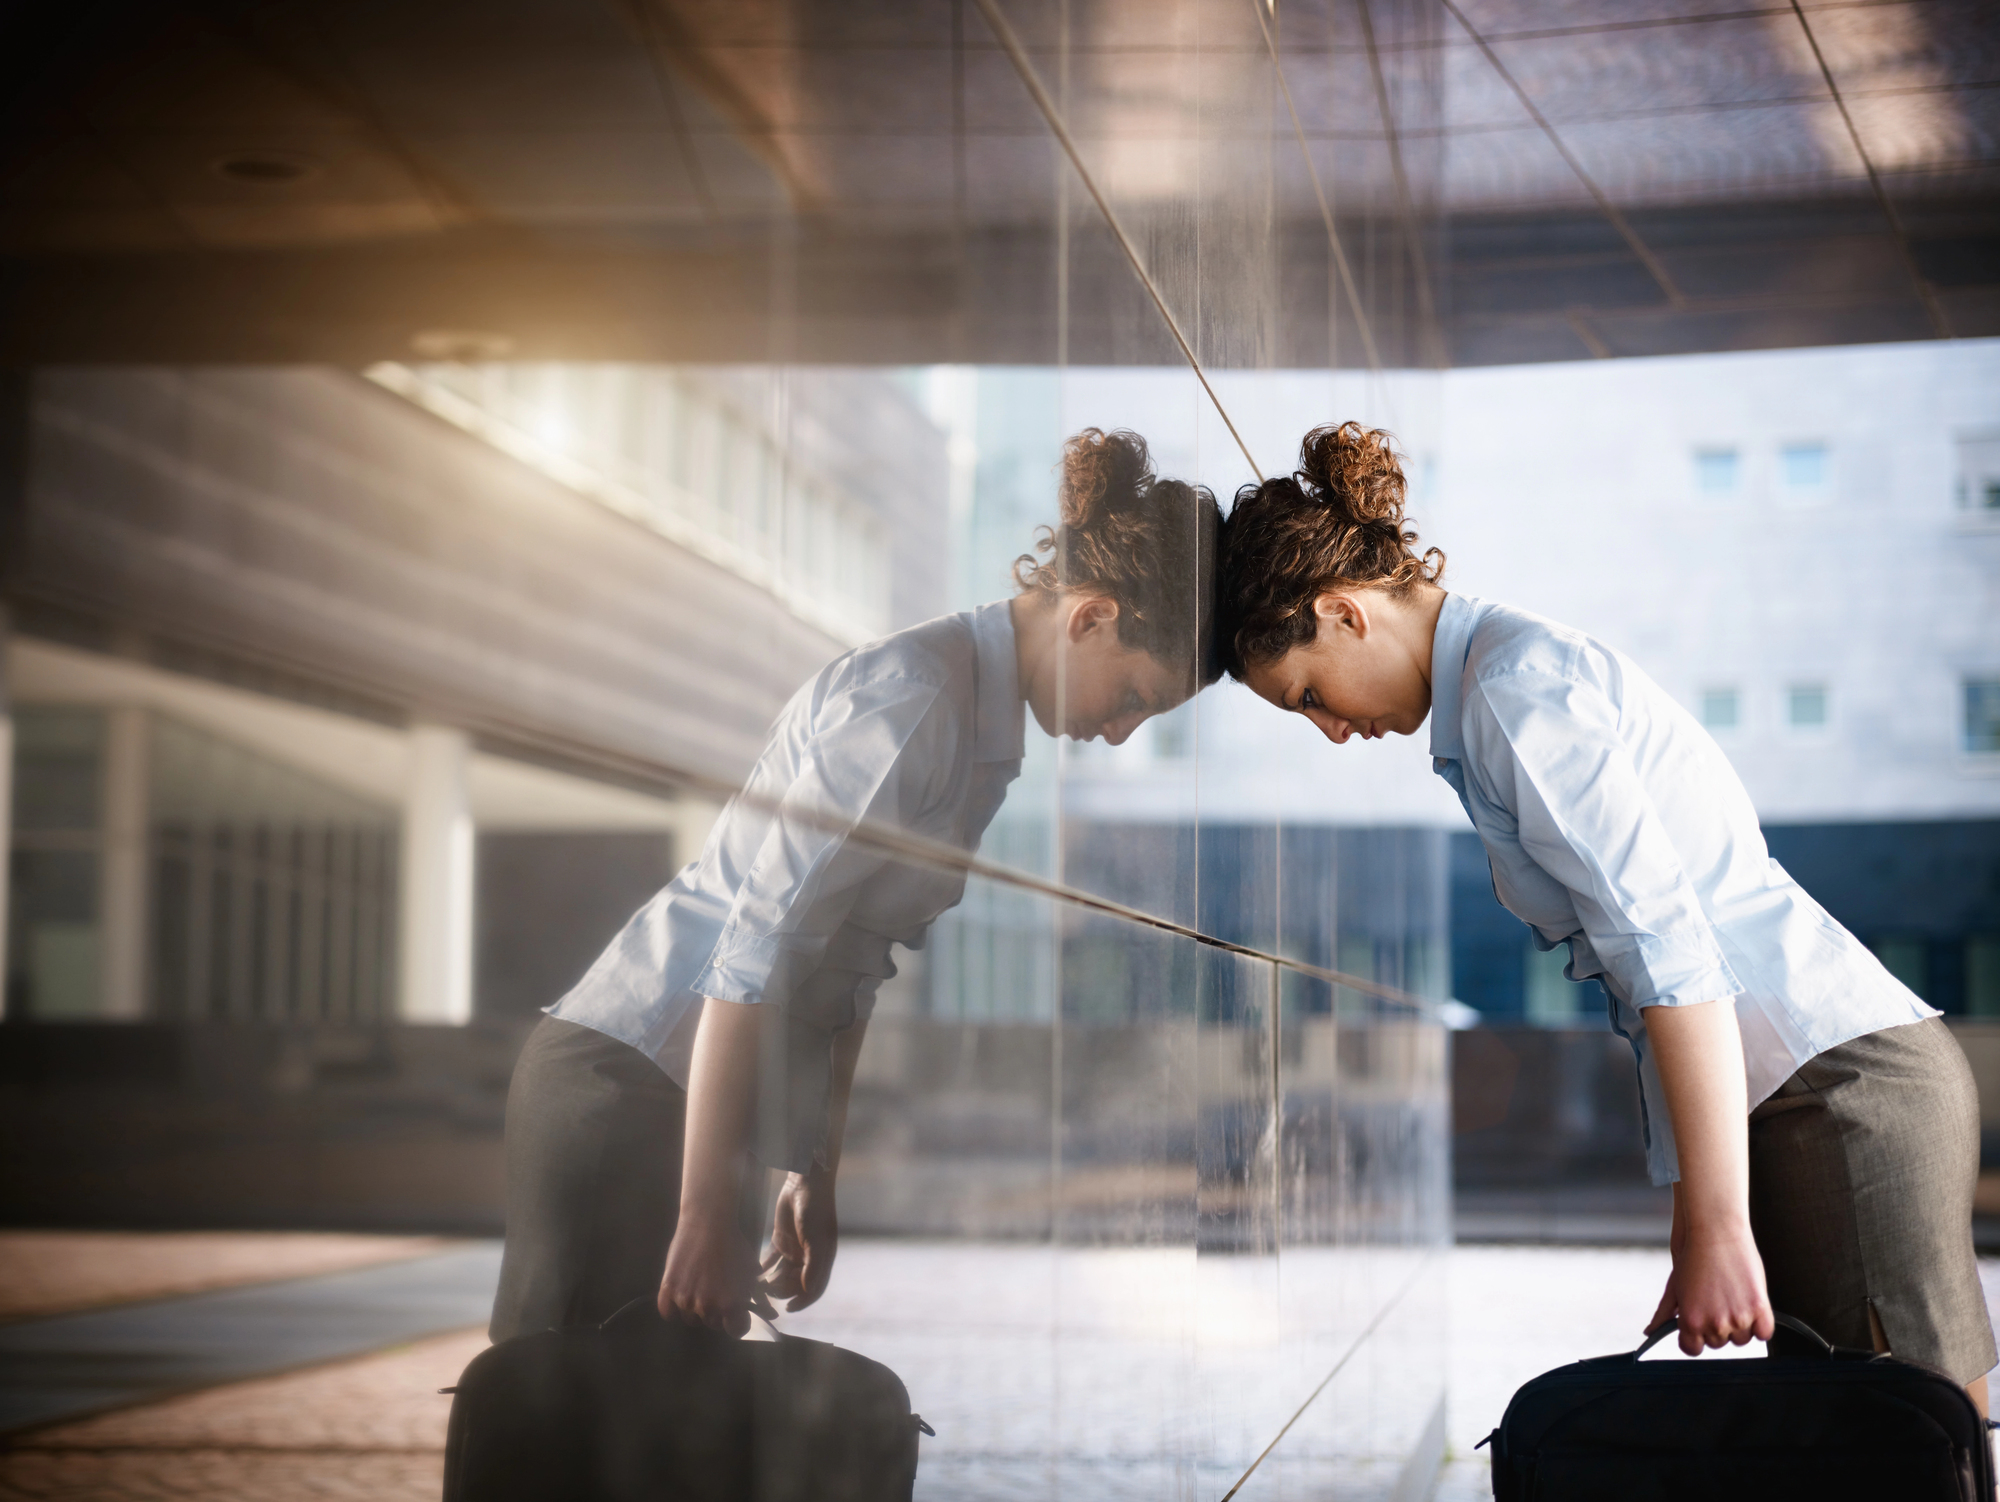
column 191, row 180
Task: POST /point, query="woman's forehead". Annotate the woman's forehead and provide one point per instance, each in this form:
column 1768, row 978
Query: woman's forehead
column 1273, row 679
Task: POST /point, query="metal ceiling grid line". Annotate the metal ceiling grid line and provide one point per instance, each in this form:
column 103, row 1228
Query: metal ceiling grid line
column 1340, row 260
column 640, row 14
column 1587, row 336
column 1426, row 303
column 1889, row 213
column 1709, row 107
column 1018, row 56
column 1649, row 23
column 1605, row 206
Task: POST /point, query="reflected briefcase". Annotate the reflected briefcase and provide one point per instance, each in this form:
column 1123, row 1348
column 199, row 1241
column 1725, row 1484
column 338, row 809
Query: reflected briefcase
column 1812, row 1421
column 644, row 1408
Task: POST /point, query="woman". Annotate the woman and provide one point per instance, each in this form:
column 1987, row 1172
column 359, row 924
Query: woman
column 725, row 1020
column 1817, row 1121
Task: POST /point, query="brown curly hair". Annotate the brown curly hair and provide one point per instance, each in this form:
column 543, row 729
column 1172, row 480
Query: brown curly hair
column 1146, row 542
column 1337, row 520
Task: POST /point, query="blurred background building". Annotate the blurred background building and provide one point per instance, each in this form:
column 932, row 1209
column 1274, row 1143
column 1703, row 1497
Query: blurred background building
column 436, row 439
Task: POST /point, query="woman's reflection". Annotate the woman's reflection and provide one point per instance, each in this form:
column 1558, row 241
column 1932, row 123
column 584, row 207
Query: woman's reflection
column 724, row 1020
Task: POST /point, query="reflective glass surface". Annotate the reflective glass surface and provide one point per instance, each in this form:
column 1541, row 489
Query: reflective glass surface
column 1144, row 1175
column 1184, row 1191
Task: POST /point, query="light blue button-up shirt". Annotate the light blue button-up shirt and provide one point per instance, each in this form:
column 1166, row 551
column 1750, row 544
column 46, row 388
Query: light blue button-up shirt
column 1613, row 823
column 921, row 731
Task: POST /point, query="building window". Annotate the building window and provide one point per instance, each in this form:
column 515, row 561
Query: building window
column 1549, row 998
column 1721, row 708
column 1806, row 706
column 1982, row 975
column 693, row 456
column 52, row 929
column 1979, row 474
column 1904, row 958
column 1982, row 716
column 273, row 894
column 1803, row 467
column 1715, row 471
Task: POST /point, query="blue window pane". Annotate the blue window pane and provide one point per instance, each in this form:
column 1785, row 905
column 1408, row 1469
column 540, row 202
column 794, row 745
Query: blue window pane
column 1982, row 715
column 1803, row 465
column 1715, row 471
column 1720, row 708
column 1807, row 706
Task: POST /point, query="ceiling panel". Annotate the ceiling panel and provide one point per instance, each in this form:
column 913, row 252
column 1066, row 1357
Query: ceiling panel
column 571, row 174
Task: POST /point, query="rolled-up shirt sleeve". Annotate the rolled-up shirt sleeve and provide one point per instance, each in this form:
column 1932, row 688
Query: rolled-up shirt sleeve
column 874, row 754
column 1553, row 749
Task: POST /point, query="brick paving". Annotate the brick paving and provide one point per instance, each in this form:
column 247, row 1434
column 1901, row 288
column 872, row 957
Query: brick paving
column 61, row 1272
column 371, row 1427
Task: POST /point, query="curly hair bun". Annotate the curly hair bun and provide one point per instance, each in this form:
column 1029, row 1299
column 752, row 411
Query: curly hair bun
column 1103, row 475
column 1354, row 470
column 1148, row 543
column 1335, row 521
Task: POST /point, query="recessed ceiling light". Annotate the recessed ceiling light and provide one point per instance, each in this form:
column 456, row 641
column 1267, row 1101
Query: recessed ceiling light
column 265, row 169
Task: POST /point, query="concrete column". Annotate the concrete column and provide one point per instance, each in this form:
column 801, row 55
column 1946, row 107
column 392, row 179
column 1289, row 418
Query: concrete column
column 122, row 927
column 6, row 802
column 436, row 937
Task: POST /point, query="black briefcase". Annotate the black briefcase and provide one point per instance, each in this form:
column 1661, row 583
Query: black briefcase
column 644, row 1408
column 1811, row 1422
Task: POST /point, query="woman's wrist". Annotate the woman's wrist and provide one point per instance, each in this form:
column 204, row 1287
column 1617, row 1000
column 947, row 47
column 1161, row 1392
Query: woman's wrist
column 1712, row 1221
column 701, row 1213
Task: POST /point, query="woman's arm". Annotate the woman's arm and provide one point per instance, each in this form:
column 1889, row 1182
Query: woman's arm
column 805, row 1230
column 711, row 1276
column 1717, row 1286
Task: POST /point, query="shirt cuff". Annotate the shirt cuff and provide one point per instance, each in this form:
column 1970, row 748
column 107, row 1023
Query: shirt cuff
column 1675, row 972
column 753, row 968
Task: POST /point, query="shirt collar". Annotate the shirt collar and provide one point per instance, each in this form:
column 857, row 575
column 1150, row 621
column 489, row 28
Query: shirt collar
column 999, row 713
column 1449, row 648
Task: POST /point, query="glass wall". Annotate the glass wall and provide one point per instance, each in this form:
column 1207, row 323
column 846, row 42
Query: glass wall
column 1158, row 1115
column 1145, row 1179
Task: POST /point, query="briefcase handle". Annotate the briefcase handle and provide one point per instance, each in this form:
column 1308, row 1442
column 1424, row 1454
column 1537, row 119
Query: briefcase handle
column 636, row 1311
column 1820, row 1344
column 629, row 1311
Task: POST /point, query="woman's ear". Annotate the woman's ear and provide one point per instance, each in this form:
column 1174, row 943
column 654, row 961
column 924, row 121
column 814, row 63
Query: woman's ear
column 1091, row 613
column 1341, row 611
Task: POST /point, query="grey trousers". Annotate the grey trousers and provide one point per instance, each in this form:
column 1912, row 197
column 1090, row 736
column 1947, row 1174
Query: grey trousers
column 1862, row 1168
column 594, row 1134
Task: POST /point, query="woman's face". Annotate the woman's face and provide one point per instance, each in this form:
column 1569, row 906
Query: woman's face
column 1359, row 676
column 1104, row 688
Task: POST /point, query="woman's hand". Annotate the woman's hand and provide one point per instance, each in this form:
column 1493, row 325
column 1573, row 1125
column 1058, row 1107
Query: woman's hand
column 711, row 1277
column 1718, row 1288
column 805, row 1235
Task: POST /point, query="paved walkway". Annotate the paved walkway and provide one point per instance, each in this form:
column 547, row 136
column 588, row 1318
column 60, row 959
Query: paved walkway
column 75, row 1364
column 63, row 1272
column 372, row 1426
